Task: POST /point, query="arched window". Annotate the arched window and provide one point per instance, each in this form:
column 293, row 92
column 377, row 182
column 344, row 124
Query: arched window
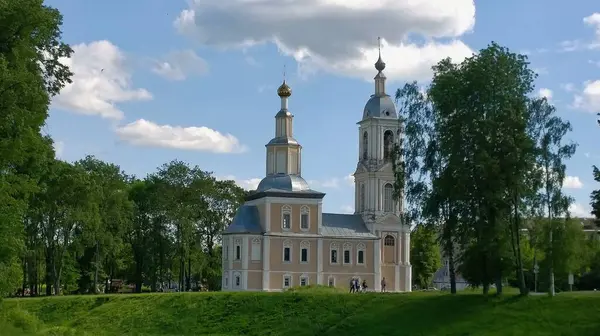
column 362, row 205
column 389, row 241
column 388, row 145
column 388, row 198
column 365, row 145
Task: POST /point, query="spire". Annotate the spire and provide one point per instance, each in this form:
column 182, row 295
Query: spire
column 380, row 77
column 379, row 65
column 284, row 92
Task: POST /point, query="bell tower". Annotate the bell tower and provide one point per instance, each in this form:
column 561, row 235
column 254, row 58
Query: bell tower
column 379, row 131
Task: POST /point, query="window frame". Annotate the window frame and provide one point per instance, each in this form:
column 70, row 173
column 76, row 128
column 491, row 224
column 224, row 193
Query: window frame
column 237, row 277
column 306, row 278
column 331, row 281
column 290, row 283
column 385, row 240
column 334, row 247
column 256, row 243
column 287, row 244
column 286, row 210
column 305, row 245
column 305, row 211
column 361, row 247
column 388, row 200
column 226, row 280
column 237, row 253
column 347, row 248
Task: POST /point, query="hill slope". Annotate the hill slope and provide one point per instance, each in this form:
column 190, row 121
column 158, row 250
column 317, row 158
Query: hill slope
column 302, row 313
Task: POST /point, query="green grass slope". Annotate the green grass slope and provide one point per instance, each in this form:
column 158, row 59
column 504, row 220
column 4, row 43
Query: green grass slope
column 302, row 313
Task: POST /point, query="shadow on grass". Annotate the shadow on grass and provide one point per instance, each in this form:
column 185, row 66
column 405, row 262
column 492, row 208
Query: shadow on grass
column 409, row 315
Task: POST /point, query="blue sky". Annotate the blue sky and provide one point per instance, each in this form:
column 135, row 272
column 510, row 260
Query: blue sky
column 196, row 80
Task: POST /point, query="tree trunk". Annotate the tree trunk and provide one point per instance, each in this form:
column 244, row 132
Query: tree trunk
column 49, row 266
column 452, row 269
column 97, row 264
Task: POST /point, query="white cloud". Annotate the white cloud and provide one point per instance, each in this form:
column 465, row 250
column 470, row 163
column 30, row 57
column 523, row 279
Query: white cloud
column 579, row 210
column 324, row 34
column 101, row 80
column 594, row 22
column 146, row 133
column 349, row 179
column 347, row 209
column 545, row 93
column 572, row 182
column 59, row 149
column 248, row 184
column 179, row 65
column 569, row 87
column 589, row 98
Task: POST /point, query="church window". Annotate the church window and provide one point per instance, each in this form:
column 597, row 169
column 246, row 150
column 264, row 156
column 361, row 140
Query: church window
column 362, row 206
column 286, row 217
column 389, row 241
column 388, row 145
column 238, row 250
column 287, row 281
column 331, row 281
column 333, row 252
column 304, row 247
column 304, row 218
column 226, row 281
column 255, row 256
column 360, row 254
column 347, row 253
column 304, row 280
column 237, row 280
column 287, row 251
column 365, row 145
column 388, row 198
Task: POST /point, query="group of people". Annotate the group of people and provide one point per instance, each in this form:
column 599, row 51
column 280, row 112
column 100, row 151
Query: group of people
column 356, row 286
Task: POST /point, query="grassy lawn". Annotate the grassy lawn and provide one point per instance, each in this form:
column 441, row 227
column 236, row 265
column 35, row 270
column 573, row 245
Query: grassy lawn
column 304, row 312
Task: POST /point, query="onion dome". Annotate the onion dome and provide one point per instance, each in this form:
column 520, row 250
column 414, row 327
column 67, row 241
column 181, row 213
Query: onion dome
column 284, row 90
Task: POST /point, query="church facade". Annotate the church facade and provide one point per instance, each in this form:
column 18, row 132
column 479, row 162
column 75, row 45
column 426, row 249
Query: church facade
column 280, row 237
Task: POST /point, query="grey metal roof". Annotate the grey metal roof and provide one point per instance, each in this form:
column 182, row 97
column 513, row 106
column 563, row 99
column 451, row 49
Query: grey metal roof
column 283, row 141
column 346, row 226
column 380, row 107
column 246, row 220
column 284, row 183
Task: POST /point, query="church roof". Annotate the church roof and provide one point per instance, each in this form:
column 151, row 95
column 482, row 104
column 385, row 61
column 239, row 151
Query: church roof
column 345, row 226
column 246, row 220
column 380, row 107
column 283, row 183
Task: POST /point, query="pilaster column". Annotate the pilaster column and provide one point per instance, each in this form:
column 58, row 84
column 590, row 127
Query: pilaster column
column 267, row 215
column 319, row 256
column 245, row 257
column 230, row 251
column 266, row 251
column 406, row 246
column 377, row 264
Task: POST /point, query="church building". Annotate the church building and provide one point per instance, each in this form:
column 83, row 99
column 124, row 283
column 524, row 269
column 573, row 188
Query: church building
column 280, row 237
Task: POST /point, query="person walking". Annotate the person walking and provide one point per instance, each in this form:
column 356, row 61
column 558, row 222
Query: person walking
column 352, row 285
column 364, row 286
column 383, row 284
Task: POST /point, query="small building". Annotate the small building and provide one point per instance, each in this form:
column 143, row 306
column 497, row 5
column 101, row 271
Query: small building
column 280, row 236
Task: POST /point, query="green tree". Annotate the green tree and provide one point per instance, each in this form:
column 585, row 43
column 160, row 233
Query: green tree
column 549, row 131
column 595, row 197
column 425, row 255
column 485, row 152
column 30, row 46
column 104, row 243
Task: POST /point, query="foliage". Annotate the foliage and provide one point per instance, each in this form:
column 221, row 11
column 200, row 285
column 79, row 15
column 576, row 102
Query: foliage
column 308, row 312
column 424, row 255
column 595, row 196
column 29, row 75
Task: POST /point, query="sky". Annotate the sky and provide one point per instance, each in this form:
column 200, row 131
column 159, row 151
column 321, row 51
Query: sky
column 196, row 80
